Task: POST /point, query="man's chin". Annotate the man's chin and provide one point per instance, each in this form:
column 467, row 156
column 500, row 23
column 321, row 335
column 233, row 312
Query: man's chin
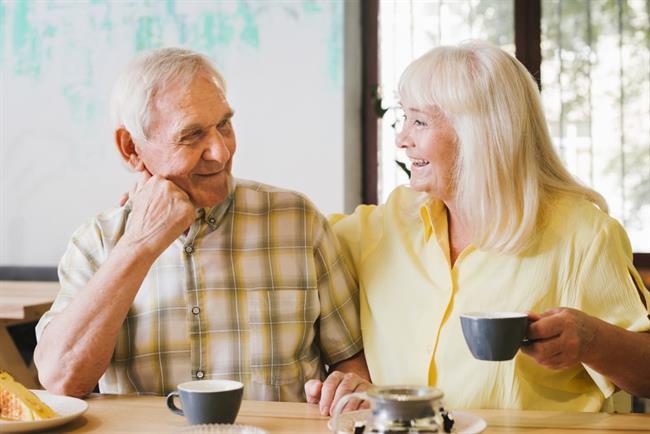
column 213, row 197
column 209, row 200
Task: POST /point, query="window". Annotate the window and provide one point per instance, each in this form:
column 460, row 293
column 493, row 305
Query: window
column 596, row 93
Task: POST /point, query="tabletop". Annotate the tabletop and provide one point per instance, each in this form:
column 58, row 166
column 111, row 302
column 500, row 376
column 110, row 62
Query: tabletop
column 25, row 301
column 143, row 414
column 21, row 301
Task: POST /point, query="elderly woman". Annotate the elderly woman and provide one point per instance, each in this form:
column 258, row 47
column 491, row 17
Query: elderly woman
column 493, row 221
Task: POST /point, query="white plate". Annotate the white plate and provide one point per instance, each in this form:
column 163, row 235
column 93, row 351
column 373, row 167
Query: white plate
column 66, row 407
column 465, row 423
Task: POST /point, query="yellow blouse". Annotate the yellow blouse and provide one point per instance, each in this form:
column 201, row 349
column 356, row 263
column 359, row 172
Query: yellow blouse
column 411, row 299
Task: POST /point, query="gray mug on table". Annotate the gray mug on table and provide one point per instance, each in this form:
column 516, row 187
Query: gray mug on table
column 208, row 401
column 494, row 335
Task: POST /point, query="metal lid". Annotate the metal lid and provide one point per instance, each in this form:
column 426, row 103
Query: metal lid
column 405, row 393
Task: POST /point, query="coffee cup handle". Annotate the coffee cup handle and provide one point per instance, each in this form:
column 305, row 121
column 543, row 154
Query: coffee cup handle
column 528, row 342
column 172, row 406
column 338, row 408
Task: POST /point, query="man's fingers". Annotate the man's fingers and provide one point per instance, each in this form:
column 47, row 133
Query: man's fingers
column 313, row 391
column 124, row 199
column 144, row 177
column 328, row 390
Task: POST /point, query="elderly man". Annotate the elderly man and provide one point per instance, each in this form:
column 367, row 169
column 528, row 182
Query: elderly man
column 199, row 275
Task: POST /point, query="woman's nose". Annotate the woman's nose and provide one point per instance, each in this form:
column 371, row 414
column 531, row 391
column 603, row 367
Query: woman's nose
column 403, row 141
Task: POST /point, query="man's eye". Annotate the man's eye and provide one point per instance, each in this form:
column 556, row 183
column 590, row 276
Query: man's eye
column 224, row 124
column 419, row 123
column 192, row 137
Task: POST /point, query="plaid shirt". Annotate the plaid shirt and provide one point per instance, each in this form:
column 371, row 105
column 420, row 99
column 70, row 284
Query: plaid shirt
column 256, row 292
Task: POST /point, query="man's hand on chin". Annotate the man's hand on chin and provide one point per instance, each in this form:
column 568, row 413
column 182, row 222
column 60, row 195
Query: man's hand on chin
column 161, row 212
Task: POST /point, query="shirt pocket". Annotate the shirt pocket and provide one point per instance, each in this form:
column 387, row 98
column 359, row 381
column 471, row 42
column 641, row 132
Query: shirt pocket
column 277, row 375
column 282, row 383
column 282, row 330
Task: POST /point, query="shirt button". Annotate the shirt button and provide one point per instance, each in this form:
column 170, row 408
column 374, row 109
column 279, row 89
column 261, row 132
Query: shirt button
column 189, row 249
column 200, row 374
column 196, row 310
column 211, row 220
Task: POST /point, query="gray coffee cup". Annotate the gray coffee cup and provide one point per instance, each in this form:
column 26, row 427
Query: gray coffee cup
column 494, row 335
column 208, row 401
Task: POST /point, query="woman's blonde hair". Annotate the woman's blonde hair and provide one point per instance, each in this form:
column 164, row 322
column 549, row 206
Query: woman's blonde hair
column 507, row 170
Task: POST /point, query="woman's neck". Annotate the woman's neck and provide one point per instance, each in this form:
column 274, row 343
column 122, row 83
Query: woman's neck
column 459, row 234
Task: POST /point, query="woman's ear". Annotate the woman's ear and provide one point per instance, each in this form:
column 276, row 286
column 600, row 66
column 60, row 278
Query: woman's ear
column 127, row 149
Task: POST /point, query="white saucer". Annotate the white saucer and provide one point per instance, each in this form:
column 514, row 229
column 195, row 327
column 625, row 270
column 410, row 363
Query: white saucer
column 465, row 423
column 66, row 407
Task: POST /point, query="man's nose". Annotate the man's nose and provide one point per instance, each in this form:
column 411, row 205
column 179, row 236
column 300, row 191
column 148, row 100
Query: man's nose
column 217, row 149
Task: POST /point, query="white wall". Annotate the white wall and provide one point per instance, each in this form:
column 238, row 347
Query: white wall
column 292, row 69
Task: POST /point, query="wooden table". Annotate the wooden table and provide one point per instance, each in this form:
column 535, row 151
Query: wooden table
column 21, row 302
column 140, row 414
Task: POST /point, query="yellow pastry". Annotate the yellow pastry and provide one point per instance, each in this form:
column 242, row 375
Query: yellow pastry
column 17, row 403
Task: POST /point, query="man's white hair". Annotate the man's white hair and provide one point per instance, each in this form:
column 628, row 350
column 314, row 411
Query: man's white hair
column 507, row 171
column 148, row 74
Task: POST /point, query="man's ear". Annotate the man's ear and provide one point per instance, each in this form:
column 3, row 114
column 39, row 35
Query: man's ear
column 127, row 149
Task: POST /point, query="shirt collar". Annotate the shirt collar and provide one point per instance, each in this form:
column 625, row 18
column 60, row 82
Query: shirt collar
column 433, row 211
column 213, row 215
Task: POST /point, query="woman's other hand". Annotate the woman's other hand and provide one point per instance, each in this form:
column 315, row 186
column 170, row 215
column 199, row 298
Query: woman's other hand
column 561, row 337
